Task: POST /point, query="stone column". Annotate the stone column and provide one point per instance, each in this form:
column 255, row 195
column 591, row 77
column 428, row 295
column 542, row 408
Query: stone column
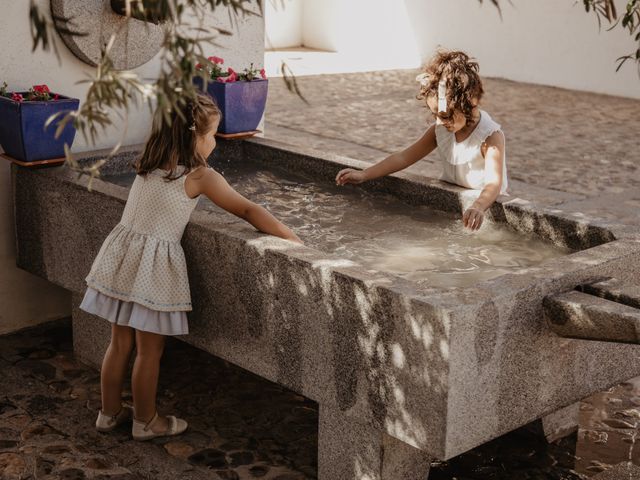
column 91, row 334
column 349, row 450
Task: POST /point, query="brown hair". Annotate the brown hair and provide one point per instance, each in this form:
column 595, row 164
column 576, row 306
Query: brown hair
column 464, row 87
column 175, row 144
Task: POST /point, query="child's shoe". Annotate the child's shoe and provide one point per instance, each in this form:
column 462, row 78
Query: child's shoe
column 143, row 431
column 106, row 423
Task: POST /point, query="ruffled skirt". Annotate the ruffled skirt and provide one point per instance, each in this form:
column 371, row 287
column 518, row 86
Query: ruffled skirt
column 134, row 315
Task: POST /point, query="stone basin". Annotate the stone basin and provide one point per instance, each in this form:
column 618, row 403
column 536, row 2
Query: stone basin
column 404, row 371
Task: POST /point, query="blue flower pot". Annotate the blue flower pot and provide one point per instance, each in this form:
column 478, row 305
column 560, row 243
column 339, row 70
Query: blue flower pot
column 241, row 103
column 22, row 132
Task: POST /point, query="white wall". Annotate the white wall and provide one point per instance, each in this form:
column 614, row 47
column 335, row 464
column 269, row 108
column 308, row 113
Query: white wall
column 551, row 42
column 283, row 23
column 24, row 298
column 367, row 34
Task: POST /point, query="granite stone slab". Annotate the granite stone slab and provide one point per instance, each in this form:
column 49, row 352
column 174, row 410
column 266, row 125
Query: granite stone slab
column 414, row 363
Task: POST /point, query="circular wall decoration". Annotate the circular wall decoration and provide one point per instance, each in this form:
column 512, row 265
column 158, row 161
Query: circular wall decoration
column 136, row 42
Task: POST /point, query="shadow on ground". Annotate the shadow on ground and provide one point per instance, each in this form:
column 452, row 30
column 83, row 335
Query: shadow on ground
column 241, row 426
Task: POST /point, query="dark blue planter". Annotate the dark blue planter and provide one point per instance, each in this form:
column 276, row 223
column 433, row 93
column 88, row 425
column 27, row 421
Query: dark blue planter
column 241, row 103
column 22, row 132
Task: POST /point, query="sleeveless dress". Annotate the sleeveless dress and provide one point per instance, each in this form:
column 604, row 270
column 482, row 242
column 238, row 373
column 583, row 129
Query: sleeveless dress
column 139, row 277
column 462, row 162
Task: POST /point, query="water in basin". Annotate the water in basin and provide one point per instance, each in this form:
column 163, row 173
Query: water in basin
column 380, row 232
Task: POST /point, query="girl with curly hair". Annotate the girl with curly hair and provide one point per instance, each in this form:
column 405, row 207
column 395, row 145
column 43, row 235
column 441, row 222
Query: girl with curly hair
column 469, row 142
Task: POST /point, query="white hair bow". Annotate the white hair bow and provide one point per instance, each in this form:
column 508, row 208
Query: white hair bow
column 442, row 96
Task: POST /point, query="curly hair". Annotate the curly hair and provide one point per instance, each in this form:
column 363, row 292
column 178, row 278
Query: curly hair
column 460, row 72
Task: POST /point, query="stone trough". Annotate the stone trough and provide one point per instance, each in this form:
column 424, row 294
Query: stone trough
column 403, row 373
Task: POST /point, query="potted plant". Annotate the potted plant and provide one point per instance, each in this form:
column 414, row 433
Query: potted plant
column 24, row 134
column 241, row 97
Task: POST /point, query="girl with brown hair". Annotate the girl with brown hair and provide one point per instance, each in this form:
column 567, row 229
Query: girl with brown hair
column 138, row 281
column 470, row 144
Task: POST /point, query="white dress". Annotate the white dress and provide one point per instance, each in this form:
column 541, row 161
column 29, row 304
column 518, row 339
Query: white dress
column 462, row 162
column 139, row 277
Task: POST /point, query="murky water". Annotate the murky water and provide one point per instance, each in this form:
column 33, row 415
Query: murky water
column 382, row 233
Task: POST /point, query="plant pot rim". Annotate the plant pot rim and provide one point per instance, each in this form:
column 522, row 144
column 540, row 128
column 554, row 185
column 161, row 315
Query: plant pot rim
column 214, row 81
column 61, row 98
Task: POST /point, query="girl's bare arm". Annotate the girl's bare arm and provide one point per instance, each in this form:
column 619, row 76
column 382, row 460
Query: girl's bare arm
column 394, row 162
column 210, row 183
column 493, row 150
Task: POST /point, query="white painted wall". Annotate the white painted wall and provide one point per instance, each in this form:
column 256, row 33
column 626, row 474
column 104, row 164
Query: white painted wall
column 366, row 34
column 551, row 42
column 19, row 305
column 284, row 23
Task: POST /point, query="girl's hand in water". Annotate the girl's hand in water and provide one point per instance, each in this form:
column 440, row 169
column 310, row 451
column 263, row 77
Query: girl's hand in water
column 350, row 175
column 294, row 238
column 472, row 218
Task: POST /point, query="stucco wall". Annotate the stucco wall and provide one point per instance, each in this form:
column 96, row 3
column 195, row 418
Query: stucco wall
column 25, row 299
column 549, row 42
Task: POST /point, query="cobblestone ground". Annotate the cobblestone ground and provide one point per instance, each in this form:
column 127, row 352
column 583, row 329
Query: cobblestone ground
column 242, row 427
column 583, row 144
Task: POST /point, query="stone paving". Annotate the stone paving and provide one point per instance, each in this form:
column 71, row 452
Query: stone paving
column 242, row 427
column 580, row 144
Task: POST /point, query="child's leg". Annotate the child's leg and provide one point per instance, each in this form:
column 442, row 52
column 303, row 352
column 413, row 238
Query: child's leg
column 144, row 379
column 114, row 367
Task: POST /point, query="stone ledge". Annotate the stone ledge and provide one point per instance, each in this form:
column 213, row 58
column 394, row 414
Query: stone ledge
column 580, row 315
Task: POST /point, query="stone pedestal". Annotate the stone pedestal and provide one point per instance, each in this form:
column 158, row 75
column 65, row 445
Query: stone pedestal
column 561, row 423
column 91, row 334
column 348, row 450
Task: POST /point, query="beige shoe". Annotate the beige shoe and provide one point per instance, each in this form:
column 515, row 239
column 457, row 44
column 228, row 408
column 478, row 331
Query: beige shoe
column 142, row 431
column 106, row 423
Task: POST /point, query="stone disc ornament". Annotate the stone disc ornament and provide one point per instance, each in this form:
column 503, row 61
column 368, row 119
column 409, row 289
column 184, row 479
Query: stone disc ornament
column 136, row 42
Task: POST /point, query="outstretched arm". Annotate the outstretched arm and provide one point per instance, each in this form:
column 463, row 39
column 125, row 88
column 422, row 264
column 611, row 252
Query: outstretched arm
column 210, row 183
column 493, row 150
column 394, row 162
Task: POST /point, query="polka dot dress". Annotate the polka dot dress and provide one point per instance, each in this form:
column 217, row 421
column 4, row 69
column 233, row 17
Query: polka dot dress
column 139, row 277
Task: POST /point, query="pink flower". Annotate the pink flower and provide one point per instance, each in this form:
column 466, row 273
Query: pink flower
column 198, row 66
column 16, row 97
column 231, row 71
column 216, row 60
column 232, row 78
column 263, row 74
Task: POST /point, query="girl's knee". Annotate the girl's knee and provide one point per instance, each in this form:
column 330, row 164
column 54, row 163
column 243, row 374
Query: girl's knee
column 122, row 338
column 149, row 344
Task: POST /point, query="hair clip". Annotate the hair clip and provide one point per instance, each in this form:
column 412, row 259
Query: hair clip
column 442, row 96
column 423, row 79
column 192, row 127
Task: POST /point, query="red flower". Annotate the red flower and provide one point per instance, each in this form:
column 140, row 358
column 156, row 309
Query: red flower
column 198, row 66
column 263, row 74
column 216, row 60
column 232, row 77
column 41, row 89
column 16, row 97
column 56, row 96
column 231, row 71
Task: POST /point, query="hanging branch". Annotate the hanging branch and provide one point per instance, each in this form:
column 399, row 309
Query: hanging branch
column 113, row 92
column 630, row 20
